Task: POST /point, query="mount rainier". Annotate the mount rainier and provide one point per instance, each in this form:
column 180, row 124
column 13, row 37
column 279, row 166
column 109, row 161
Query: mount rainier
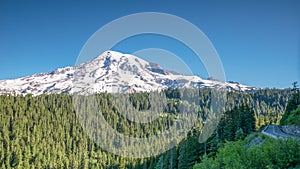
column 110, row 72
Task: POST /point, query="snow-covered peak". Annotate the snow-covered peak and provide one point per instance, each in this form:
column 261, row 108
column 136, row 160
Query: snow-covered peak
column 110, row 72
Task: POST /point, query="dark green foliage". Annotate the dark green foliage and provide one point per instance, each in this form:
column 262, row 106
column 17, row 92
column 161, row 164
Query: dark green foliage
column 14, row 160
column 189, row 151
column 294, row 117
column 238, row 122
column 160, row 163
column 270, row 154
column 239, row 134
column 44, row 131
column 292, row 113
column 234, row 125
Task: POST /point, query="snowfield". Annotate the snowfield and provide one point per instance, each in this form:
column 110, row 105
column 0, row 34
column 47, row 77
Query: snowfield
column 111, row 72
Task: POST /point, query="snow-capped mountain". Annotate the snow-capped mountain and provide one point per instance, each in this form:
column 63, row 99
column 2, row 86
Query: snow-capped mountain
column 110, row 72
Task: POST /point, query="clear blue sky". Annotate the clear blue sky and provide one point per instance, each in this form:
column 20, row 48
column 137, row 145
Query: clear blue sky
column 258, row 41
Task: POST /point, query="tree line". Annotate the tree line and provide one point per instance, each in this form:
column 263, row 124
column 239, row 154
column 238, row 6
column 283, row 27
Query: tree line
column 44, row 131
column 236, row 152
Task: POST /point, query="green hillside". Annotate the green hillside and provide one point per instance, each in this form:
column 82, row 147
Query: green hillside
column 44, row 131
column 268, row 153
column 292, row 113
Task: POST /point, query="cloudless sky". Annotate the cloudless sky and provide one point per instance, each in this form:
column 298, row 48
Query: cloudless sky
column 258, row 41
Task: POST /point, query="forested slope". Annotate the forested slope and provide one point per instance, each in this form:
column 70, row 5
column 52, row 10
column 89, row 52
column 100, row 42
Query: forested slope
column 44, row 131
column 257, row 150
column 292, row 113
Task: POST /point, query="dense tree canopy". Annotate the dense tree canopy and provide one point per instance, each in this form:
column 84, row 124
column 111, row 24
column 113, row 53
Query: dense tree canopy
column 44, row 131
column 292, row 113
column 269, row 154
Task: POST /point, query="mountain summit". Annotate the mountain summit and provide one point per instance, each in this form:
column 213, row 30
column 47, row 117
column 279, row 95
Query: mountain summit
column 110, row 72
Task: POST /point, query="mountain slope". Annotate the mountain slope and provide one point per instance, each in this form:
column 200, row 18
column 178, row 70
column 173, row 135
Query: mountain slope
column 109, row 72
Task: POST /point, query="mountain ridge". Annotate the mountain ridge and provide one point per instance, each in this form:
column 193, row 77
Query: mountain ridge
column 110, row 72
